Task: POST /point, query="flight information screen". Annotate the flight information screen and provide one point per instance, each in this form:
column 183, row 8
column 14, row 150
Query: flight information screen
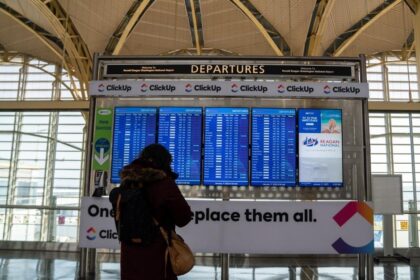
column 226, row 146
column 273, row 147
column 180, row 132
column 134, row 129
column 320, row 148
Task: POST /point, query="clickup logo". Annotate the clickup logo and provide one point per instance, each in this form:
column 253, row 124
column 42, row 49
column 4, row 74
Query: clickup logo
column 280, row 89
column 91, row 233
column 101, row 87
column 235, row 88
column 144, row 87
column 188, row 87
column 343, row 216
column 327, row 89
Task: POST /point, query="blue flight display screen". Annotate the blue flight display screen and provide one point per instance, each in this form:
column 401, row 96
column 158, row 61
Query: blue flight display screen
column 273, row 147
column 134, row 129
column 180, row 132
column 226, row 146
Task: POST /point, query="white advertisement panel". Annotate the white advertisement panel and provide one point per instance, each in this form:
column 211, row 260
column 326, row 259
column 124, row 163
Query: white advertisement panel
column 131, row 88
column 263, row 227
column 320, row 148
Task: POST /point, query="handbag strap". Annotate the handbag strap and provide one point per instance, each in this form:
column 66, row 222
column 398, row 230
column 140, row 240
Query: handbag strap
column 166, row 238
column 166, row 235
column 118, row 210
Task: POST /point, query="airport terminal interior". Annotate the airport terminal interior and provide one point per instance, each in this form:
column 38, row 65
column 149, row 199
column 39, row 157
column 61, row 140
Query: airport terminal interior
column 241, row 92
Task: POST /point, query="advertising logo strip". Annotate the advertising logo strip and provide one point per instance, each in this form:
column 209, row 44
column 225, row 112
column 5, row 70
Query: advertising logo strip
column 228, row 88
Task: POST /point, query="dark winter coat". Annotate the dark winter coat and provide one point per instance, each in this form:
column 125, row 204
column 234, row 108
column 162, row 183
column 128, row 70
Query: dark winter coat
column 169, row 208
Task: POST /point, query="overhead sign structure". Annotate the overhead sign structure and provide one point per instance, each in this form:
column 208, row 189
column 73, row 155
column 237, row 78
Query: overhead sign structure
column 228, row 69
column 259, row 227
column 132, row 88
column 271, row 152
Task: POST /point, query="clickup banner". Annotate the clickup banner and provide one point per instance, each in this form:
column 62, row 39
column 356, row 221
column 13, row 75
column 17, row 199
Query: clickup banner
column 320, row 148
column 254, row 227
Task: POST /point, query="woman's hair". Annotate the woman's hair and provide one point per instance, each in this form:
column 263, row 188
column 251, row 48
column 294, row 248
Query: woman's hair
column 157, row 156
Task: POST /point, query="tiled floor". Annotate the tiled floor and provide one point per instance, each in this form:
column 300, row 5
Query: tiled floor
column 16, row 265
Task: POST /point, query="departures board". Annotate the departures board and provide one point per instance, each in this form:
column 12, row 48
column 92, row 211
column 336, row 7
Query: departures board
column 226, row 146
column 236, row 146
column 180, row 132
column 134, row 129
column 273, row 148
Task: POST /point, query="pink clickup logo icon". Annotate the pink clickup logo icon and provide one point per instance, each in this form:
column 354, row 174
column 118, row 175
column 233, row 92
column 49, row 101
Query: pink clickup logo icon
column 188, row 87
column 101, row 87
column 144, row 87
column 280, row 89
column 327, row 89
column 235, row 88
column 343, row 216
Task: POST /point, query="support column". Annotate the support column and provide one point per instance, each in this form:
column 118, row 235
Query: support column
column 417, row 41
column 388, row 235
column 48, row 224
column 11, row 191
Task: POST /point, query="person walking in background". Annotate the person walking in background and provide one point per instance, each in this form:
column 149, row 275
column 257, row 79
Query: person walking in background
column 144, row 255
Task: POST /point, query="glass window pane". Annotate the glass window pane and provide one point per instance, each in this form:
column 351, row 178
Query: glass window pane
column 401, row 227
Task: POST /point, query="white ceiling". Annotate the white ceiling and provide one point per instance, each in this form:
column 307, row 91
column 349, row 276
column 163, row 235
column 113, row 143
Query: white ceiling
column 165, row 27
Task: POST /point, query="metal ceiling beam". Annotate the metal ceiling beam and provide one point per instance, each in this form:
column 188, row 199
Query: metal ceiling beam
column 320, row 16
column 47, row 39
column 129, row 21
column 33, row 28
column 271, row 35
column 399, row 54
column 204, row 51
column 56, row 77
column 412, row 4
column 342, row 42
column 196, row 26
column 44, row 105
column 387, row 106
column 408, row 46
column 76, row 51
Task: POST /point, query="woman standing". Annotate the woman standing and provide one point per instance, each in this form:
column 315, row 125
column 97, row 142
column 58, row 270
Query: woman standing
column 152, row 172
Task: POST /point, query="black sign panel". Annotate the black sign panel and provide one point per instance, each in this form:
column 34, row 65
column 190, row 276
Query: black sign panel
column 228, row 70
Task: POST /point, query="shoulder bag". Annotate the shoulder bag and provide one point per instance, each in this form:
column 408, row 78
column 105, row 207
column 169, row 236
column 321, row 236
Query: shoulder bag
column 179, row 254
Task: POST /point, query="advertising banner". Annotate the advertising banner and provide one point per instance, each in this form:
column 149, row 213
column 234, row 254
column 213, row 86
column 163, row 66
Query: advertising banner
column 261, row 227
column 102, row 141
column 320, row 148
column 130, row 88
